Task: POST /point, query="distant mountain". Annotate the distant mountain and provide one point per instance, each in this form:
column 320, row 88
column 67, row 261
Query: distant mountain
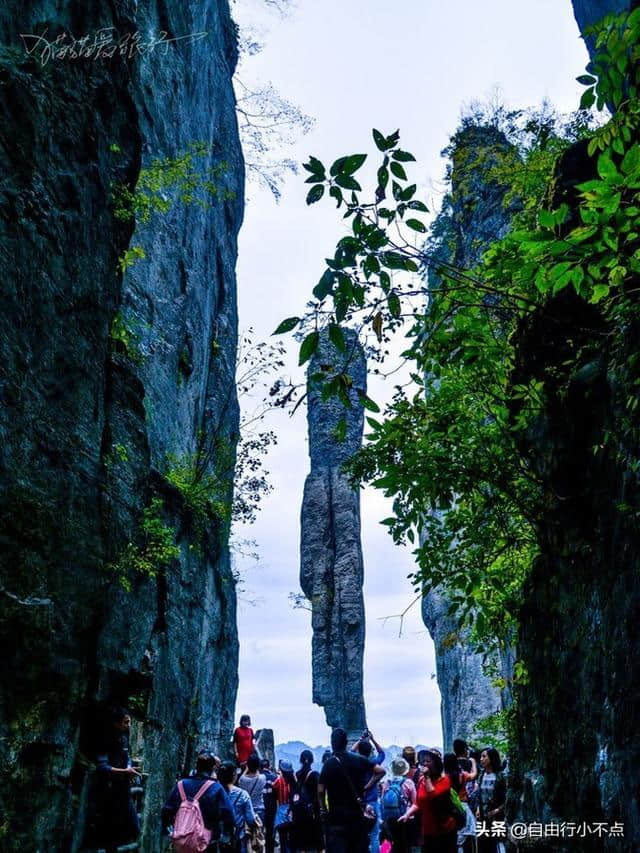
column 291, row 750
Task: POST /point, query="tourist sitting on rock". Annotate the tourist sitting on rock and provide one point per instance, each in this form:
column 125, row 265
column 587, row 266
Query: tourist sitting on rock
column 347, row 778
column 242, row 809
column 215, row 806
column 433, row 803
column 244, row 741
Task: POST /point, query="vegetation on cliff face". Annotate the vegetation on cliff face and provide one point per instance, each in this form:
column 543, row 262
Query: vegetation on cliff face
column 450, row 455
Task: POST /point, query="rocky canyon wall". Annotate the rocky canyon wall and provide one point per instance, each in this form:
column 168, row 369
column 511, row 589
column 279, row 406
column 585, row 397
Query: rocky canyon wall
column 472, row 216
column 577, row 635
column 331, row 565
column 107, row 380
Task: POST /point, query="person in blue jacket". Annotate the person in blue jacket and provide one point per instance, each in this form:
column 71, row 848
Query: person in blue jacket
column 216, row 808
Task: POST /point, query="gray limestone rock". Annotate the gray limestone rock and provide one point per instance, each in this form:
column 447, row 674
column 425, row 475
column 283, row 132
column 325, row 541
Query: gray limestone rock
column 331, row 567
column 265, row 745
column 472, row 216
column 467, row 693
column 87, row 422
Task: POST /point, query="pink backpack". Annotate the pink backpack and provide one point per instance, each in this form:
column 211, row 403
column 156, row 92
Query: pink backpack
column 190, row 835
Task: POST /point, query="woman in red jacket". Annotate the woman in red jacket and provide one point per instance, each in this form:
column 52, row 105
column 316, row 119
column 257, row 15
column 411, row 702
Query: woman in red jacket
column 434, row 804
column 244, row 741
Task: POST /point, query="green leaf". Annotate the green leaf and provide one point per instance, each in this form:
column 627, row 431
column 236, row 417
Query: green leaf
column 631, row 161
column 403, row 156
column 418, row 205
column 340, row 432
column 371, row 265
column 383, row 177
column 393, row 139
column 376, row 325
column 599, row 292
column 558, row 270
column 393, row 260
column 314, row 166
column 337, row 166
column 588, row 99
column 347, row 182
column 398, row 171
column 606, row 167
column 315, row 193
column 337, row 337
column 408, row 192
column 287, row 325
column 416, row 225
column 336, row 193
column 353, row 163
column 308, row 347
column 368, row 403
column 347, row 165
column 394, row 304
column 586, row 80
column 324, row 286
column 380, row 141
column 546, row 219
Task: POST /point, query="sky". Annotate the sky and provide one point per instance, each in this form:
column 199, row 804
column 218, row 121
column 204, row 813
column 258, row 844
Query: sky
column 353, row 65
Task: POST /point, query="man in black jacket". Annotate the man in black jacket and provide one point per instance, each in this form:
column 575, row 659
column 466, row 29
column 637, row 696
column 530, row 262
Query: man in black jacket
column 216, row 808
column 346, row 777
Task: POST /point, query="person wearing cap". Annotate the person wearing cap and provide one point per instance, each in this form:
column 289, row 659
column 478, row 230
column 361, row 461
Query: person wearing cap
column 400, row 834
column 283, row 788
column 215, row 806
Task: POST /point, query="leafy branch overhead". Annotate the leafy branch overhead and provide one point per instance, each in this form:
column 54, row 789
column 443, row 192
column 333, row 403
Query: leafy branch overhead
column 449, row 455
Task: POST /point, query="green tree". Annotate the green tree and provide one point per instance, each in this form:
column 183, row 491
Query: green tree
column 448, row 453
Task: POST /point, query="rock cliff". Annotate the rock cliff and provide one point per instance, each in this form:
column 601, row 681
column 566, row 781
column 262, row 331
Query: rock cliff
column 576, row 634
column 331, row 566
column 472, row 216
column 589, row 12
column 105, row 378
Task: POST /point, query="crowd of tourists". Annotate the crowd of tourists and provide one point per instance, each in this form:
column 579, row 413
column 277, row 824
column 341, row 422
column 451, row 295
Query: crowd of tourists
column 425, row 803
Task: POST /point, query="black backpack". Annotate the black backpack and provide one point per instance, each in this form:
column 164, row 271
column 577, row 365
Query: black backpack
column 302, row 805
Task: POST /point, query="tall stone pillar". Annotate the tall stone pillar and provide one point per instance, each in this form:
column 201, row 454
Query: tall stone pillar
column 331, row 565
